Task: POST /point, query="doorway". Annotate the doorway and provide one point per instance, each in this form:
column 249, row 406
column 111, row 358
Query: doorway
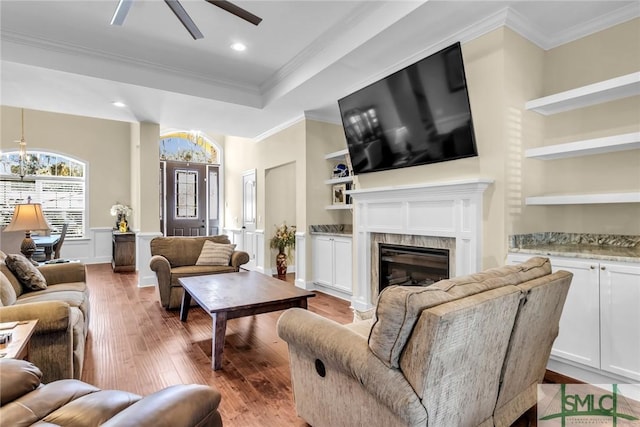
column 190, row 198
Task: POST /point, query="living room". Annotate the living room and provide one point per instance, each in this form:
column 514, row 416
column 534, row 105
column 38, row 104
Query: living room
column 504, row 71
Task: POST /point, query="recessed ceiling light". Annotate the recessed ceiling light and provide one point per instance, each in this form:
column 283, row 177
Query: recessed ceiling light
column 238, row 47
column 119, row 104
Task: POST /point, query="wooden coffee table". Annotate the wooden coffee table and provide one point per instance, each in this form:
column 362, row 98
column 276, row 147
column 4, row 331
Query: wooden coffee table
column 232, row 295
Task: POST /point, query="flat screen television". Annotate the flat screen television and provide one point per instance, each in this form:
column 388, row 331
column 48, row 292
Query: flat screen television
column 417, row 115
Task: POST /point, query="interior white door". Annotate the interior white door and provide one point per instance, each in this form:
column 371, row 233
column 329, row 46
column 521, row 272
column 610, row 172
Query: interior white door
column 249, row 200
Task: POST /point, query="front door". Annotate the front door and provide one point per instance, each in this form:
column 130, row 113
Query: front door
column 186, row 202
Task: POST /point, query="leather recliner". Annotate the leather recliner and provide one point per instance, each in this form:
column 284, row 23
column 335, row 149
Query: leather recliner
column 26, row 401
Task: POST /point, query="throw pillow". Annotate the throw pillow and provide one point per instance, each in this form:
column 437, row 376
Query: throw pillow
column 29, row 276
column 215, row 253
column 7, row 293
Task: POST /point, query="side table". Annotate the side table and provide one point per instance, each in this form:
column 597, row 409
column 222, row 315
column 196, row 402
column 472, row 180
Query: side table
column 124, row 251
column 18, row 346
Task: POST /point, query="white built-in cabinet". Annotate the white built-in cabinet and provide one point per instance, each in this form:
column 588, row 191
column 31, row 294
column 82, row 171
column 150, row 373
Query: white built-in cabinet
column 332, row 262
column 596, row 93
column 600, row 322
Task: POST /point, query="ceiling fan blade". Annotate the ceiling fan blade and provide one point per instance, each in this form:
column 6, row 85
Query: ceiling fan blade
column 236, row 10
column 121, row 12
column 184, row 17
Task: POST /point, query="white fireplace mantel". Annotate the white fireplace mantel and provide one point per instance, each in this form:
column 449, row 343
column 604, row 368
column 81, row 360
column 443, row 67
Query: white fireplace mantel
column 440, row 209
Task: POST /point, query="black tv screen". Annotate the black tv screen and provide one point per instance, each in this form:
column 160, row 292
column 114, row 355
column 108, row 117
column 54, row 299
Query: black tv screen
column 415, row 116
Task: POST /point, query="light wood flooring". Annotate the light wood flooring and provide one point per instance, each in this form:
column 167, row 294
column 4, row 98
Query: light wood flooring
column 136, row 345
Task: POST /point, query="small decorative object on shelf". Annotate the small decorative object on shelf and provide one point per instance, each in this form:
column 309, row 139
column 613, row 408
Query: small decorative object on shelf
column 339, row 196
column 285, row 238
column 121, row 212
column 340, row 171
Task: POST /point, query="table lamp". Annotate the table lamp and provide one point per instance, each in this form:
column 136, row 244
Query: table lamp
column 28, row 217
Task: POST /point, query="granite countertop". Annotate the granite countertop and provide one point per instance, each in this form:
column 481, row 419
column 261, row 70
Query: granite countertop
column 345, row 230
column 609, row 247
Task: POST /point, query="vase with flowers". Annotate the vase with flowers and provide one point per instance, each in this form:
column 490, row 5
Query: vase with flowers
column 121, row 211
column 283, row 239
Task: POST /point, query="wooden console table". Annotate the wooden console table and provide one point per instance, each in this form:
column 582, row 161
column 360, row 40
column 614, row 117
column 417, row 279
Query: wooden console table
column 124, row 251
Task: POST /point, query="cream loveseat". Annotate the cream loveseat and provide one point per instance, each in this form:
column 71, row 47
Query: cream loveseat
column 62, row 309
column 468, row 351
column 26, row 401
column 175, row 257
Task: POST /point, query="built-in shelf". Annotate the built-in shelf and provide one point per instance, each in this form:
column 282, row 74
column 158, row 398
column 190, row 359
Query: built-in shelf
column 584, row 199
column 608, row 144
column 338, row 207
column 596, row 93
column 337, row 155
column 339, row 180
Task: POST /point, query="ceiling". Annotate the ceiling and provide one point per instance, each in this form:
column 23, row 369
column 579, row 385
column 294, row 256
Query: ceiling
column 63, row 56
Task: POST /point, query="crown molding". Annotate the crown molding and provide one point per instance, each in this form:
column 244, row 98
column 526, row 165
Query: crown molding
column 522, row 26
column 471, row 32
column 48, row 45
column 279, row 128
column 324, row 118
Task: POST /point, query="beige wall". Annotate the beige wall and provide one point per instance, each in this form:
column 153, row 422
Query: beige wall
column 103, row 144
column 601, row 56
column 484, row 60
column 122, row 160
column 321, row 139
column 280, row 198
column 242, row 154
column 303, row 144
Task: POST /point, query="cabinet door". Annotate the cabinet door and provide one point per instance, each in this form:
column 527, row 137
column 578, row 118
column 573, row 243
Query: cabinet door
column 342, row 259
column 579, row 337
column 620, row 322
column 322, row 250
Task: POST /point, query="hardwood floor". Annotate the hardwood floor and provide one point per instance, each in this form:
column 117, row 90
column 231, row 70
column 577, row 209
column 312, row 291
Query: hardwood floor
column 136, row 345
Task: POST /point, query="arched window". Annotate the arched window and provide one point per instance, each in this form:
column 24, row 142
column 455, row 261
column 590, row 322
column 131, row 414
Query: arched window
column 188, row 147
column 54, row 180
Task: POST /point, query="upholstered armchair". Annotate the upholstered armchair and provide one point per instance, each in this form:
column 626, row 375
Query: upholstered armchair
column 468, row 351
column 177, row 257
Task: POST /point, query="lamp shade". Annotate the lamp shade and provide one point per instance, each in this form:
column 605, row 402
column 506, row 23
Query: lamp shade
column 28, row 217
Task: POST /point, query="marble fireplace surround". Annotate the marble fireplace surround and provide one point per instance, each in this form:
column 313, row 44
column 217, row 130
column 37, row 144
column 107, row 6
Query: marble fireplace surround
column 444, row 215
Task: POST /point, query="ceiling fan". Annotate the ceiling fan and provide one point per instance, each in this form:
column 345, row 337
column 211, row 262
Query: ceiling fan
column 124, row 5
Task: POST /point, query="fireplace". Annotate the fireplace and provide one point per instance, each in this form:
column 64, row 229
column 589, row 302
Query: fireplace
column 411, row 265
column 440, row 215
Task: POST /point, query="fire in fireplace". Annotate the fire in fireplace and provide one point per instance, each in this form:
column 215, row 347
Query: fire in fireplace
column 411, row 265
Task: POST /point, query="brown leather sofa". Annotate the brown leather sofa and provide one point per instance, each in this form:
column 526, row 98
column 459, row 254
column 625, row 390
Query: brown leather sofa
column 26, row 401
column 175, row 257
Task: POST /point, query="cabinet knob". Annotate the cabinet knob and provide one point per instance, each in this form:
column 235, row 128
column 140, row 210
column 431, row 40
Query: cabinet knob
column 603, row 268
column 593, row 267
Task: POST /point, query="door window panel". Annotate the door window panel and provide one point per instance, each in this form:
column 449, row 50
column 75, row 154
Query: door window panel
column 186, row 195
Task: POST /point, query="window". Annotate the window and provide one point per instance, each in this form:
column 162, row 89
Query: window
column 54, row 180
column 186, row 194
